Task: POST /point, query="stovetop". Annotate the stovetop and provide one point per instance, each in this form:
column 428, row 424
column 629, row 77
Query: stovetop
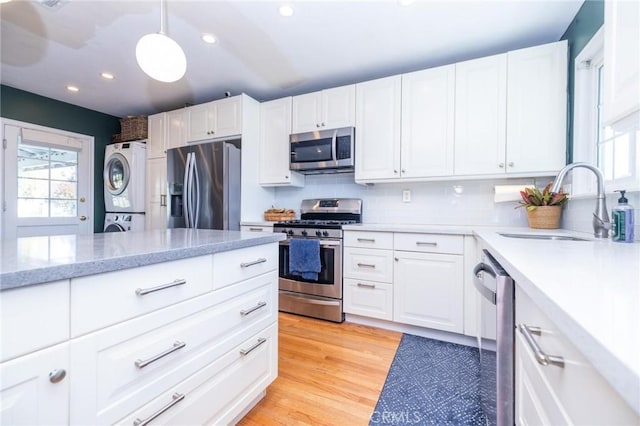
column 314, row 223
column 322, row 218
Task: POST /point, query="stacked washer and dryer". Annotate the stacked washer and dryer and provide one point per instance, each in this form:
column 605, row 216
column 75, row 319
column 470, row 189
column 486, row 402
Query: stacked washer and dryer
column 124, row 186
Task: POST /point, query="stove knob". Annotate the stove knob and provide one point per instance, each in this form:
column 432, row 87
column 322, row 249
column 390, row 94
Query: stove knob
column 325, row 233
column 290, row 232
column 284, row 231
column 304, row 233
column 318, row 233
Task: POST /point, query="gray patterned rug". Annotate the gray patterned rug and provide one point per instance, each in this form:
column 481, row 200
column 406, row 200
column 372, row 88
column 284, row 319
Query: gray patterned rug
column 431, row 383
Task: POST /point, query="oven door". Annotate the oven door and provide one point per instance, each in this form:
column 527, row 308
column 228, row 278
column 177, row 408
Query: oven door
column 329, row 283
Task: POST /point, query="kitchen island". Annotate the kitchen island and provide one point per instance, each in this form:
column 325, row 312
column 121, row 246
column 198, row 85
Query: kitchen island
column 179, row 325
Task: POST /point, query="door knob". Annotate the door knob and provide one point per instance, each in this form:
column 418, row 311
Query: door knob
column 83, row 218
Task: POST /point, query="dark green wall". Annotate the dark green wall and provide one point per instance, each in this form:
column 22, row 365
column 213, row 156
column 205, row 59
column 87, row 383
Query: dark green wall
column 28, row 107
column 586, row 23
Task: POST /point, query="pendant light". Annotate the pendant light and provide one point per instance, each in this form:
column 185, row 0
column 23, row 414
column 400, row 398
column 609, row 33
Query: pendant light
column 159, row 56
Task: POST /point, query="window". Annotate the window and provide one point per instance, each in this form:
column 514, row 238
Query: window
column 612, row 150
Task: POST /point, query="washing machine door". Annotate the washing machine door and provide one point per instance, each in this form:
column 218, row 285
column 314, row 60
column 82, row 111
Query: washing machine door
column 114, row 227
column 116, row 174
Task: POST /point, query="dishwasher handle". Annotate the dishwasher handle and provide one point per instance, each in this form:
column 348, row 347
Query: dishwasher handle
column 486, row 292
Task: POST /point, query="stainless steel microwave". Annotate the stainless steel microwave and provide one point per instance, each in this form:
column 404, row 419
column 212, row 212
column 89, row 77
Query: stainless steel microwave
column 323, row 151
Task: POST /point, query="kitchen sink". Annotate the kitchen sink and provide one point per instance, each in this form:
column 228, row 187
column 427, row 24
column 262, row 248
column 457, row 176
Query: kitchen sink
column 544, row 237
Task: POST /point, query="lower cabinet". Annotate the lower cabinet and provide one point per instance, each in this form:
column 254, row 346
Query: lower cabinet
column 34, row 389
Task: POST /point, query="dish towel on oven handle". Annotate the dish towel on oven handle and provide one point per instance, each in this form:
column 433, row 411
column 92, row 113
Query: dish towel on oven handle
column 304, row 258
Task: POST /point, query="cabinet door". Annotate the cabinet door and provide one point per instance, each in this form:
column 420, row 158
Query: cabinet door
column 378, row 129
column 427, row 122
column 200, row 122
column 275, row 127
column 156, row 213
column 480, row 116
column 156, row 139
column 622, row 59
column 338, row 107
column 536, row 108
column 306, row 112
column 227, row 117
column 175, row 136
column 427, row 290
column 29, row 395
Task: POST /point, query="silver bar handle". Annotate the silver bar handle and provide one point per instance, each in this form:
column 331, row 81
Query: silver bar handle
column 255, row 229
column 540, row 355
column 334, row 141
column 246, row 312
column 163, row 200
column 250, row 349
column 177, row 397
column 174, row 283
column 176, row 345
column 366, row 285
column 255, row 262
column 365, row 265
column 426, row 243
column 366, row 240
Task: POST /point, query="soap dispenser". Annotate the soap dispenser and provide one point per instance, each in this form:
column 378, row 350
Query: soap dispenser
column 622, row 216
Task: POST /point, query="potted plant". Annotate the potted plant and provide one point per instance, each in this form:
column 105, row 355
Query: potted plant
column 543, row 207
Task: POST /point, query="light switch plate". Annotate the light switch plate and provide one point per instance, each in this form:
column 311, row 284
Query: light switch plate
column 406, row 196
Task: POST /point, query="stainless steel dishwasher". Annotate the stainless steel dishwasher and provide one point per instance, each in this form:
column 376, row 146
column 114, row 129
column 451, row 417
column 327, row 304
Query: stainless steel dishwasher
column 496, row 356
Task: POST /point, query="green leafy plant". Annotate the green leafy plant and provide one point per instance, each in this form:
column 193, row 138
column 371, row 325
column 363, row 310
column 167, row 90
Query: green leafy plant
column 533, row 198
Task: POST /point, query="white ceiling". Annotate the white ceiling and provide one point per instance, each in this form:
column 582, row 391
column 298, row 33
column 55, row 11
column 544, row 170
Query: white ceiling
column 324, row 44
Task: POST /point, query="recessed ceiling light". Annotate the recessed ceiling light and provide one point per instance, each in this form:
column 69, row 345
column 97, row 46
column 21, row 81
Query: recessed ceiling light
column 286, row 10
column 73, row 89
column 405, row 2
column 208, row 38
column 107, row 75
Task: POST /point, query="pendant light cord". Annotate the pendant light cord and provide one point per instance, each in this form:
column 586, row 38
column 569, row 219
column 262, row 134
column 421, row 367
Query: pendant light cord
column 162, row 17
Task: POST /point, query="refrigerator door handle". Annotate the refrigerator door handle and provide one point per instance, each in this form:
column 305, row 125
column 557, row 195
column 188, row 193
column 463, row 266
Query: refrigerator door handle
column 185, row 191
column 196, row 191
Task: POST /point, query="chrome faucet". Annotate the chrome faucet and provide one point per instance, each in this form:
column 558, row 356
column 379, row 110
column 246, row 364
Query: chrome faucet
column 601, row 224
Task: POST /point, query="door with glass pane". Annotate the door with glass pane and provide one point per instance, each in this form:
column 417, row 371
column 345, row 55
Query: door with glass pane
column 47, row 180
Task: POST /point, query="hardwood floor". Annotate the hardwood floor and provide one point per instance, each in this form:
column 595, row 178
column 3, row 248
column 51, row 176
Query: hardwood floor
column 329, row 374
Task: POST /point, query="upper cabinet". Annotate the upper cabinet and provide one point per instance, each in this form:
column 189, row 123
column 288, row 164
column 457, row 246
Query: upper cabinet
column 212, row 120
column 326, row 109
column 275, row 127
column 511, row 112
column 622, row 59
column 378, row 104
column 175, row 130
column 156, row 143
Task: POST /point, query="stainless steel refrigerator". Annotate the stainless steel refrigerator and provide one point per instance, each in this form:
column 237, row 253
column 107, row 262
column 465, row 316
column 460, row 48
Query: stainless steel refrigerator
column 204, row 186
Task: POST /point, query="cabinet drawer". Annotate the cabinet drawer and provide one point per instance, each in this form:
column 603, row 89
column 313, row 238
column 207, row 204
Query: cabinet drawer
column 105, row 299
column 368, row 264
column 109, row 366
column 219, row 392
column 229, row 267
column 368, row 298
column 429, row 243
column 33, row 318
column 366, row 239
column 577, row 390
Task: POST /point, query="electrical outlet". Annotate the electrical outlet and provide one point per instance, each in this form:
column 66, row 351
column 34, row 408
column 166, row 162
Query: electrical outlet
column 406, row 196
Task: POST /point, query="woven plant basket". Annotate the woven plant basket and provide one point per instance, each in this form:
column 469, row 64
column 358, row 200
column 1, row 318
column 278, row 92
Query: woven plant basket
column 133, row 128
column 545, row 217
column 278, row 217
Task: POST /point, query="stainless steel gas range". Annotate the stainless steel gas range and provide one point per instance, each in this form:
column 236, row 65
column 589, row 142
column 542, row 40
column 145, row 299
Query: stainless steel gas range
column 320, row 219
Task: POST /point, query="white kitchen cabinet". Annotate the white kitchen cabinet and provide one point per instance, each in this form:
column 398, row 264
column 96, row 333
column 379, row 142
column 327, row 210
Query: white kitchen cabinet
column 34, row 388
column 574, row 393
column 156, row 193
column 326, row 109
column 428, row 285
column 156, row 146
column 378, row 124
column 426, row 148
column 275, row 128
column 257, row 228
column 212, row 120
column 621, row 59
column 175, row 135
column 509, row 109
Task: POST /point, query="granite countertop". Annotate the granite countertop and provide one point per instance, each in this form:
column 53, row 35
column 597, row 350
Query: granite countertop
column 35, row 260
column 591, row 290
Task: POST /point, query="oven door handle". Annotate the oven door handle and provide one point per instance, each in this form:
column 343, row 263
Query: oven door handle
column 486, row 292
column 323, row 243
column 313, row 301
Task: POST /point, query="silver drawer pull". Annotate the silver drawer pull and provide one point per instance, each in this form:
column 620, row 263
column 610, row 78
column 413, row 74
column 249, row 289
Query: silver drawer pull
column 260, row 341
column 426, row 243
column 255, row 262
column 366, row 285
column 246, row 312
column 366, row 265
column 541, row 357
column 57, row 375
column 177, row 397
column 255, row 229
column 176, row 345
column 366, row 240
column 174, row 283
